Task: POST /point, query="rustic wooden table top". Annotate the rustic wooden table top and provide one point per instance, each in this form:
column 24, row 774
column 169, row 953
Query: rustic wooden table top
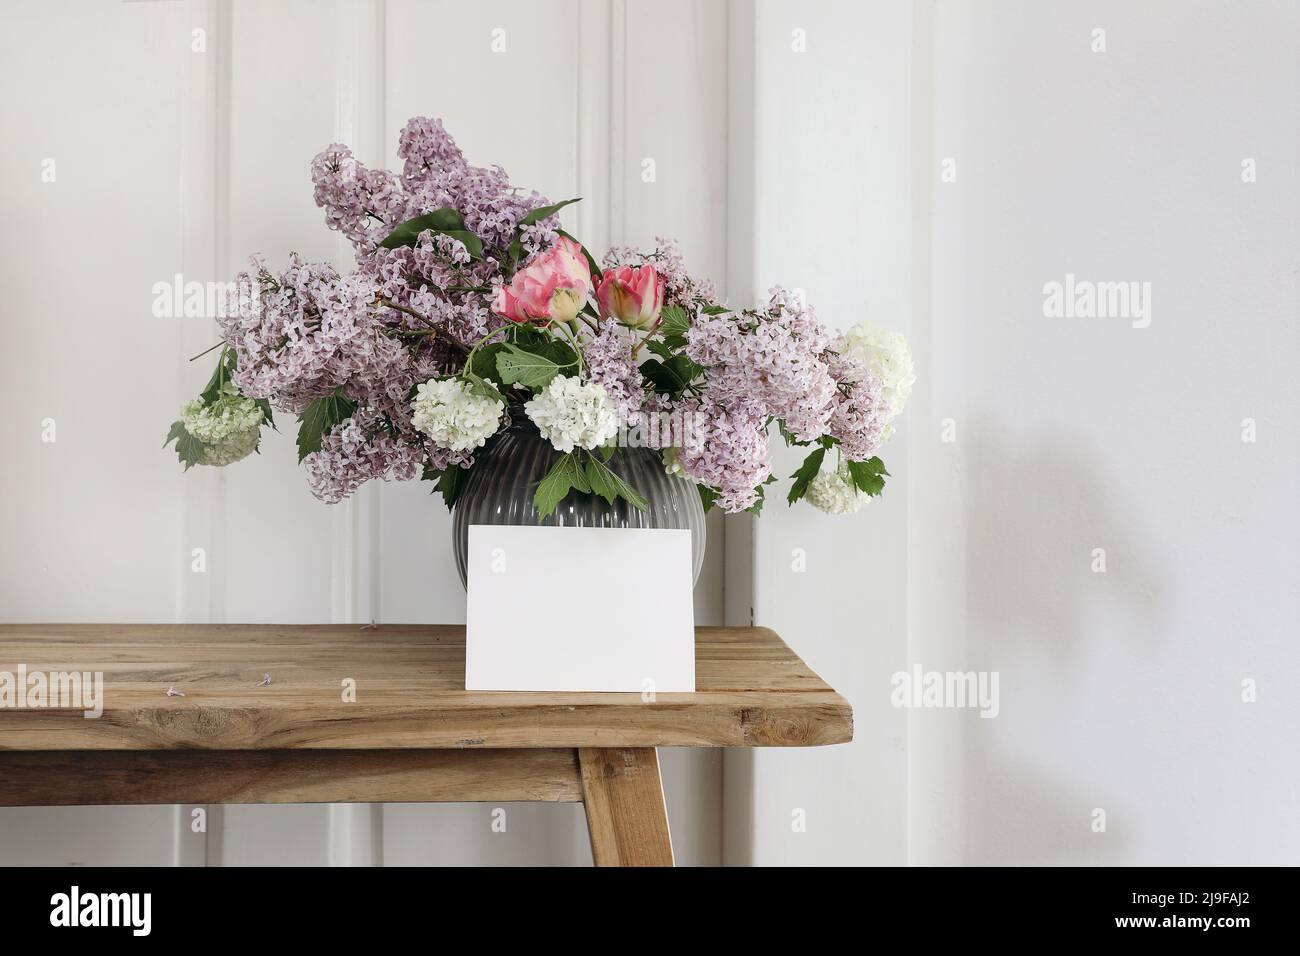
column 752, row 691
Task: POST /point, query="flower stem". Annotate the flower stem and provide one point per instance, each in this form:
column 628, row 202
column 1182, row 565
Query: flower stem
column 207, row 350
column 451, row 339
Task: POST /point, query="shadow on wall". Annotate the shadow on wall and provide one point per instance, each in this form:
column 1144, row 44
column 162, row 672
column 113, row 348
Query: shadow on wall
column 1037, row 611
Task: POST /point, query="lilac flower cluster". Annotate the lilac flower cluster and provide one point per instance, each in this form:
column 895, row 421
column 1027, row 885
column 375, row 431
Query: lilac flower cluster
column 308, row 331
column 361, row 449
column 730, row 451
column 366, row 204
column 405, row 315
column 774, row 364
column 610, row 364
column 775, row 356
column 859, row 413
column 396, row 343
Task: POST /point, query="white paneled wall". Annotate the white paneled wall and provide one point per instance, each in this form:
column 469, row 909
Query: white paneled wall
column 182, row 152
column 790, row 142
column 1120, row 691
column 831, row 216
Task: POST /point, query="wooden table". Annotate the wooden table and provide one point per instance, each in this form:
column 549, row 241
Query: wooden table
column 409, row 733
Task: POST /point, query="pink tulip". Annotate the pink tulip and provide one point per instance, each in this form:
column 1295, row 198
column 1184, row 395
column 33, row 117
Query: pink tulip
column 632, row 296
column 553, row 288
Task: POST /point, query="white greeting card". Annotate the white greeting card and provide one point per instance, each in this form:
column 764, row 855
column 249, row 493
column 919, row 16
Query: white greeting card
column 579, row 609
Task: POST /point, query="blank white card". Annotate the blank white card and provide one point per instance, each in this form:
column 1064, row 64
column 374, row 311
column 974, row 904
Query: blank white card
column 579, row 609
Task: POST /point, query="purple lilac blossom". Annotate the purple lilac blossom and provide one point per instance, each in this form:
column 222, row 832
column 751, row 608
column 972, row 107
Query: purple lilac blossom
column 609, row 361
column 407, row 315
column 403, row 316
column 774, row 356
column 860, row 414
column 730, row 453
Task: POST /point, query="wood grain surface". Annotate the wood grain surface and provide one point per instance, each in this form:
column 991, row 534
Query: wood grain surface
column 752, row 690
column 623, row 795
column 70, row 778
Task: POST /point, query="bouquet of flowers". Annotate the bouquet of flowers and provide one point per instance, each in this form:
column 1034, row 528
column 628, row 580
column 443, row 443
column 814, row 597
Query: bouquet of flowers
column 469, row 303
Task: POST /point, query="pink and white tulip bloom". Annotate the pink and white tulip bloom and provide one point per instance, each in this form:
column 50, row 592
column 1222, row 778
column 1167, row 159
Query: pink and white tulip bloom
column 633, row 297
column 553, row 288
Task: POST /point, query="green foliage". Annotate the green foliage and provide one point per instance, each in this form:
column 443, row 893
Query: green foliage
column 188, row 448
column 226, row 364
column 869, row 476
column 449, row 482
column 708, row 497
column 806, row 473
column 671, row 376
column 319, row 418
column 481, row 386
column 517, row 366
column 660, row 347
column 584, row 472
column 545, row 212
column 788, row 436
column 610, row 486
column 673, row 323
column 484, row 361
column 565, row 475
column 447, row 221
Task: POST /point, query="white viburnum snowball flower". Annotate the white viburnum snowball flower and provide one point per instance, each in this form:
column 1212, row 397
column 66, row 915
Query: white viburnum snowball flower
column 230, row 428
column 572, row 415
column 889, row 358
column 835, row 493
column 456, row 417
column 235, row 448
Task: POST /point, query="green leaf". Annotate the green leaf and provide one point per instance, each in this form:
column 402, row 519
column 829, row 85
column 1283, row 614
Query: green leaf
column 188, row 448
column 660, row 348
column 319, row 418
column 806, row 473
column 565, row 475
column 223, row 373
column 517, row 366
column 610, row 486
column 473, row 244
column 514, row 252
column 445, row 221
column 485, row 361
column 440, row 220
column 267, row 417
column 481, row 386
column 715, row 310
column 545, row 212
column 869, row 475
column 450, row 484
column 789, row 436
column 708, row 497
column 592, row 264
column 670, row 377
column 673, row 323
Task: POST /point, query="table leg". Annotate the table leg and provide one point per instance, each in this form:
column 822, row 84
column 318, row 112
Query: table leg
column 624, row 799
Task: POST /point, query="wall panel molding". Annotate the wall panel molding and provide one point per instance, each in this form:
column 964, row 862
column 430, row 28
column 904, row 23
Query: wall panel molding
column 355, row 832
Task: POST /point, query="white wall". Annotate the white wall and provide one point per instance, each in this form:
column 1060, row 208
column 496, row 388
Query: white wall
column 831, row 216
column 1122, row 690
column 821, row 170
column 172, row 161
column 1119, row 691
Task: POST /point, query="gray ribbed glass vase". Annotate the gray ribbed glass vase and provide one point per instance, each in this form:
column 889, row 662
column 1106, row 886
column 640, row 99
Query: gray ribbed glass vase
column 506, row 471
